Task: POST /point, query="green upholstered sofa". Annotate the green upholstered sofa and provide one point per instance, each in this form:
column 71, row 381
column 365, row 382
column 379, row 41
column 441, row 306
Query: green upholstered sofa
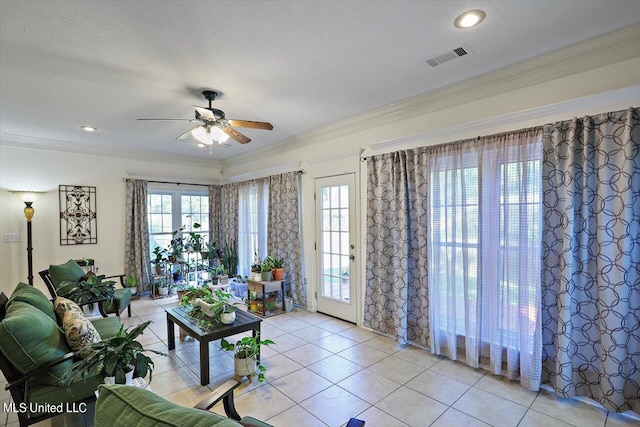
column 34, row 353
column 121, row 405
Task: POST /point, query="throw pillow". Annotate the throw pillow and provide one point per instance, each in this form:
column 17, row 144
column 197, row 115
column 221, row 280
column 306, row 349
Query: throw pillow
column 69, row 271
column 61, row 305
column 79, row 331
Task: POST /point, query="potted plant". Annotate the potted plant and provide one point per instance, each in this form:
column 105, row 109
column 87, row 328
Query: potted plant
column 176, row 246
column 229, row 257
column 116, row 357
column 131, row 282
column 91, row 287
column 189, row 294
column 253, row 301
column 216, row 305
column 195, row 240
column 159, row 259
column 245, row 352
column 223, row 277
column 256, row 270
column 265, row 269
column 162, row 288
column 278, row 268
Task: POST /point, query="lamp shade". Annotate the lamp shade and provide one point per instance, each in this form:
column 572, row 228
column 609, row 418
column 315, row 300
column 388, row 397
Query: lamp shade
column 27, row 196
column 209, row 135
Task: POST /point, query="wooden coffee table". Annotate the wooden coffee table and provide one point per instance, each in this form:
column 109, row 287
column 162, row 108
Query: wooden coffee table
column 179, row 315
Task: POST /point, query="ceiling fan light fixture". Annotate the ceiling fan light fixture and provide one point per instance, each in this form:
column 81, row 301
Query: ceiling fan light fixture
column 218, row 135
column 469, row 19
column 202, row 134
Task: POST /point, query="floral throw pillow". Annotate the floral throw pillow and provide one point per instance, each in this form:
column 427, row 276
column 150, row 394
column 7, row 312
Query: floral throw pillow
column 78, row 330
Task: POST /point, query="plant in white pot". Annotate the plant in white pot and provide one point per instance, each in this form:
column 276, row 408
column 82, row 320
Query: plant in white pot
column 116, row 357
column 216, row 305
column 245, row 354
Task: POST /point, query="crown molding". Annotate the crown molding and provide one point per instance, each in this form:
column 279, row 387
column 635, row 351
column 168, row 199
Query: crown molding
column 21, row 141
column 629, row 95
column 336, row 156
column 584, row 56
column 255, row 174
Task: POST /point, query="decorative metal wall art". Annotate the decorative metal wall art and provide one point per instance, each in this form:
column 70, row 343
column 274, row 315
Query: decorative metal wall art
column 78, row 223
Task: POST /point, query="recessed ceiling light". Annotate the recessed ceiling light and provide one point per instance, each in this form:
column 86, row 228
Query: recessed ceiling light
column 200, row 144
column 88, row 128
column 469, row 19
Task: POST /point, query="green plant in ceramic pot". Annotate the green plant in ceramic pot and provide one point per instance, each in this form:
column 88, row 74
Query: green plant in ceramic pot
column 245, row 353
column 266, row 269
column 278, row 268
column 116, row 357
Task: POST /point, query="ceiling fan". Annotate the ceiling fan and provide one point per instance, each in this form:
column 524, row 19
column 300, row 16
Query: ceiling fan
column 213, row 126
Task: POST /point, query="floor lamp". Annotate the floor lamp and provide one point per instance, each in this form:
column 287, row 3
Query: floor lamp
column 28, row 197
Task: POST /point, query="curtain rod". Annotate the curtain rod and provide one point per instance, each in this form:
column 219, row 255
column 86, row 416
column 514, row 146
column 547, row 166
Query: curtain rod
column 186, row 183
column 169, row 182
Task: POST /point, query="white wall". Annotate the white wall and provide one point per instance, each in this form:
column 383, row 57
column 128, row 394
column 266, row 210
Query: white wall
column 42, row 170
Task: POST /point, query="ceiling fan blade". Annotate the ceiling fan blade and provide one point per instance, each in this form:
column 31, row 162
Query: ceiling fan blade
column 205, row 112
column 250, row 124
column 242, row 139
column 171, row 120
column 186, row 134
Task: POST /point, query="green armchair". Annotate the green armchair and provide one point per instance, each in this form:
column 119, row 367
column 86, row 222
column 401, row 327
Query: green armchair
column 72, row 271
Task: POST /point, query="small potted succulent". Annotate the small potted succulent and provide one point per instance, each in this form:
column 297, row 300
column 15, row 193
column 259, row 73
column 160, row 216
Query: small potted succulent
column 266, row 268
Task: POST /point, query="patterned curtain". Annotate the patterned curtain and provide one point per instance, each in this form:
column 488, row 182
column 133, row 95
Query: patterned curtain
column 284, row 230
column 453, row 250
column 396, row 278
column 591, row 259
column 215, row 214
column 136, row 249
column 229, row 230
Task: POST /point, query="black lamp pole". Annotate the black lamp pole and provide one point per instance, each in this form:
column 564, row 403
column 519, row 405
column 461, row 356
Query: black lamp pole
column 28, row 213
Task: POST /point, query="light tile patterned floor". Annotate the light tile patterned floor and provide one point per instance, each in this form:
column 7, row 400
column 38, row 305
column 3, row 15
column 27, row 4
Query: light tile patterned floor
column 322, row 371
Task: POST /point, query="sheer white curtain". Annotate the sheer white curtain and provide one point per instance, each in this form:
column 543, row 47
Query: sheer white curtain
column 484, row 253
column 253, row 214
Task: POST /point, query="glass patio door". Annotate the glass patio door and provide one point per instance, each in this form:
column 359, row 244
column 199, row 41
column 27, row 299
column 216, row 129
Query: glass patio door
column 335, row 246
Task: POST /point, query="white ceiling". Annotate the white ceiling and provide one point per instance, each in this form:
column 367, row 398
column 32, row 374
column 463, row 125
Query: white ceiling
column 297, row 64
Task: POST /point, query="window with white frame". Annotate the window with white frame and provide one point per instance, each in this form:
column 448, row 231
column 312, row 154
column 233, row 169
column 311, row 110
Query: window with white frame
column 170, row 210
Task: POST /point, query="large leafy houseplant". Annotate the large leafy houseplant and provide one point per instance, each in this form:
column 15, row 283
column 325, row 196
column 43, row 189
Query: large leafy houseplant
column 91, row 288
column 113, row 357
column 229, row 257
column 245, row 352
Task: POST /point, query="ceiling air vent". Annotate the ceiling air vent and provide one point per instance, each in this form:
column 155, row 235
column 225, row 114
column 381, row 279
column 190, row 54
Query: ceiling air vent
column 436, row 60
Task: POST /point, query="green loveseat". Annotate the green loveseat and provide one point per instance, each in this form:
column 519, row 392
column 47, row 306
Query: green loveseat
column 34, row 354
